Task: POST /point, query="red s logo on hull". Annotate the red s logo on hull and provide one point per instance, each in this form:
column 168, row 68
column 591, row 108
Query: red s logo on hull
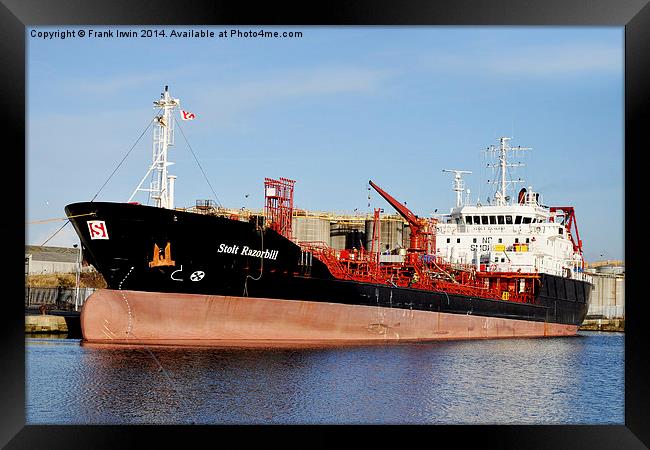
column 97, row 229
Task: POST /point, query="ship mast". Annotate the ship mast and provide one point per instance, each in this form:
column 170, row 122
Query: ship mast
column 459, row 184
column 502, row 153
column 161, row 188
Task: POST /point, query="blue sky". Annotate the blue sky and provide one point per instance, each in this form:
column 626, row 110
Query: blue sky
column 333, row 109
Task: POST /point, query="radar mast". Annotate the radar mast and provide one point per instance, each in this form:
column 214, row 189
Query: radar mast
column 502, row 165
column 459, row 184
column 161, row 188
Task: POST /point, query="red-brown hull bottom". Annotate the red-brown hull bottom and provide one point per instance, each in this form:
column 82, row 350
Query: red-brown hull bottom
column 153, row 318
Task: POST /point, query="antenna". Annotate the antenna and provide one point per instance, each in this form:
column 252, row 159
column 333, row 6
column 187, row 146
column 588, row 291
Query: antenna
column 459, row 184
column 502, row 166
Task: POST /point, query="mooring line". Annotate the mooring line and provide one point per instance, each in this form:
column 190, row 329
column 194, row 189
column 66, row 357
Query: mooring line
column 108, row 179
column 55, row 233
column 59, row 218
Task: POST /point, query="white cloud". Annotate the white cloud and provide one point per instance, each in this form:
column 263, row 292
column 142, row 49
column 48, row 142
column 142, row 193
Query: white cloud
column 550, row 60
column 117, row 83
column 300, row 83
column 111, row 85
column 534, row 61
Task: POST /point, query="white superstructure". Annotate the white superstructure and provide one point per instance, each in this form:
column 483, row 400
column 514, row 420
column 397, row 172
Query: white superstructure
column 510, row 233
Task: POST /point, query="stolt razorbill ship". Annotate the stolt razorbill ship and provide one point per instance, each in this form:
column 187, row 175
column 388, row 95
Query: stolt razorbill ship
column 202, row 277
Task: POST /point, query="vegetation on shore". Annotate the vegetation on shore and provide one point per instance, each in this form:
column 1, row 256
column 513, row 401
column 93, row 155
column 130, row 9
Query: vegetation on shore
column 66, row 280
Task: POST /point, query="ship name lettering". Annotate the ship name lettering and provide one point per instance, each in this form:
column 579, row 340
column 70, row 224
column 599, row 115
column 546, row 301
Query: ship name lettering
column 223, row 248
column 267, row 254
column 247, row 251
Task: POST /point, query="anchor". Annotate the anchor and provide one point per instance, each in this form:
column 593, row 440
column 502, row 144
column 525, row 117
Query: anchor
column 162, row 259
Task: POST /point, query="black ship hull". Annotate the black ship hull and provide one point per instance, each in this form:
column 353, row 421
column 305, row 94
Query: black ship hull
column 139, row 248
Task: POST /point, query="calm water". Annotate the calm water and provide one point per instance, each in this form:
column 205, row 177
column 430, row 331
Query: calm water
column 575, row 380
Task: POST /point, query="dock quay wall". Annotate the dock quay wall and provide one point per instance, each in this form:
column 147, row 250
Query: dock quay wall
column 45, row 323
column 608, row 297
column 607, row 307
column 52, row 311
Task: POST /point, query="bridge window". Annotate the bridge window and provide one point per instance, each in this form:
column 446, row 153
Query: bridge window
column 468, row 220
column 527, row 219
column 493, row 220
column 517, row 220
column 477, row 220
column 484, row 220
column 508, row 220
column 500, row 220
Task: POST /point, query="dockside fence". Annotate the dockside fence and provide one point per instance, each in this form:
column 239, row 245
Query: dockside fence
column 56, row 298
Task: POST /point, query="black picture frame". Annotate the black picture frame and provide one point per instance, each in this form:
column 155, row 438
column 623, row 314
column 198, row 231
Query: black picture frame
column 633, row 15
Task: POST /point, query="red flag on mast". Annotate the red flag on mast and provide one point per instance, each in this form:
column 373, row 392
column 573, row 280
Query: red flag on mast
column 186, row 115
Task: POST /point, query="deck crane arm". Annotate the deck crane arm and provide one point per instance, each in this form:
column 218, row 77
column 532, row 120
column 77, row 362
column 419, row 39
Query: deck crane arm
column 570, row 222
column 421, row 238
column 414, row 221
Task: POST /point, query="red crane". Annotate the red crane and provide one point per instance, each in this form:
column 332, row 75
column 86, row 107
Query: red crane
column 568, row 219
column 421, row 229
